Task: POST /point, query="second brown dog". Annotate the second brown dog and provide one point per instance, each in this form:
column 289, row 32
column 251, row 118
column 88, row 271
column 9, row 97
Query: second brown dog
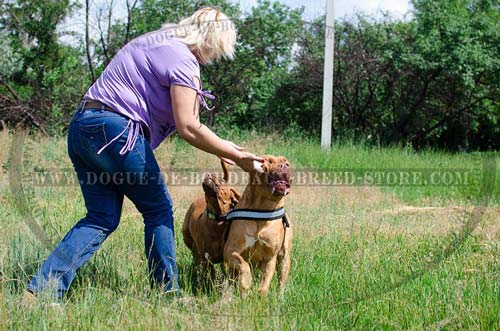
column 203, row 230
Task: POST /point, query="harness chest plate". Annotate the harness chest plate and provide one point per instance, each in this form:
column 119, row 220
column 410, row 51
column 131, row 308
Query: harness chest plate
column 252, row 215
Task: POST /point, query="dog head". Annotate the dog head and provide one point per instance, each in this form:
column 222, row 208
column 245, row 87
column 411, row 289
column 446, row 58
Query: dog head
column 274, row 176
column 219, row 196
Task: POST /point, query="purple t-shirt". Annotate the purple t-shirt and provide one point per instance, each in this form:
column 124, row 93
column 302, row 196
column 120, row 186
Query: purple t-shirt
column 136, row 83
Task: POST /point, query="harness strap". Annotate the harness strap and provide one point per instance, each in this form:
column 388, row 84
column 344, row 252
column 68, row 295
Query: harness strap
column 285, row 221
column 251, row 215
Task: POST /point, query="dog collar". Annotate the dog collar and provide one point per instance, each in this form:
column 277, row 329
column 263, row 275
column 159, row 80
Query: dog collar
column 257, row 215
column 216, row 217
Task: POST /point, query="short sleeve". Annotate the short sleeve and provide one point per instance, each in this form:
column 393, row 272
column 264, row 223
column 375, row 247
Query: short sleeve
column 184, row 73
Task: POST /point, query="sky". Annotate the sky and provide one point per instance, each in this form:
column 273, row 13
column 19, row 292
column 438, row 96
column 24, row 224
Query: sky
column 313, row 8
column 342, row 8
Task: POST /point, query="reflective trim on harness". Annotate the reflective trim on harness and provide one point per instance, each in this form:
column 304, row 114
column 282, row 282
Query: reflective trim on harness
column 258, row 215
column 250, row 215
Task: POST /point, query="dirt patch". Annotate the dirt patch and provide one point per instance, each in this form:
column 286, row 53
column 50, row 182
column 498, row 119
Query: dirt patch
column 183, row 196
column 323, row 211
column 338, row 198
column 413, row 210
column 365, row 197
column 489, row 228
column 309, row 197
column 421, row 222
column 364, row 211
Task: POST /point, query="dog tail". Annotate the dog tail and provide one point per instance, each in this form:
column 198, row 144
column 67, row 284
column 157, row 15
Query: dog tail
column 224, row 168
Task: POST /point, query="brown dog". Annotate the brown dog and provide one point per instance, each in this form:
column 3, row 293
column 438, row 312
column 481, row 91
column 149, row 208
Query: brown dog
column 262, row 243
column 202, row 230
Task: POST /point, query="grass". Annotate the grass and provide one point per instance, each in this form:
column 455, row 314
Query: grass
column 362, row 259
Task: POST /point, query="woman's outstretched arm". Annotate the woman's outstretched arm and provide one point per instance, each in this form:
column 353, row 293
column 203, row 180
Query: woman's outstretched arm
column 185, row 105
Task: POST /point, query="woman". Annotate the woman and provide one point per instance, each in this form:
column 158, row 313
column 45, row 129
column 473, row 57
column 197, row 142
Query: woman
column 150, row 89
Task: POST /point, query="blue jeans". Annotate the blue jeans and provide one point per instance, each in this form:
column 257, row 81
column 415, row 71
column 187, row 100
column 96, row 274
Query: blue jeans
column 105, row 179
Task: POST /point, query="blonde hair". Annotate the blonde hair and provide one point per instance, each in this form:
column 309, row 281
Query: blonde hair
column 208, row 32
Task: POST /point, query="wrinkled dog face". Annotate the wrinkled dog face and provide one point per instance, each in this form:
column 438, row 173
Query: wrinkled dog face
column 220, row 197
column 276, row 176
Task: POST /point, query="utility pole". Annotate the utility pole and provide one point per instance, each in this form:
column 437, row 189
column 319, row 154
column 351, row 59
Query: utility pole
column 326, row 122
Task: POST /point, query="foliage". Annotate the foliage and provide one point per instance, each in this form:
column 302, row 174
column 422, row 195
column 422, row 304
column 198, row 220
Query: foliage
column 49, row 76
column 432, row 80
column 11, row 61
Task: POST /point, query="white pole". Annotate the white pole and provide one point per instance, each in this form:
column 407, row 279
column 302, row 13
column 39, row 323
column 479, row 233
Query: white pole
column 326, row 122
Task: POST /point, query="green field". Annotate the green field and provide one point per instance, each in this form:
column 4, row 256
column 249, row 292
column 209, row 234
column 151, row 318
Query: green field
column 365, row 257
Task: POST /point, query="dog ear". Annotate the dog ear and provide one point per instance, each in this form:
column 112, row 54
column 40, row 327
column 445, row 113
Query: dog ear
column 235, row 196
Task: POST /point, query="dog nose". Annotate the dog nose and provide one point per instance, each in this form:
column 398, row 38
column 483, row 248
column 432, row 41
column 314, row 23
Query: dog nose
column 283, row 166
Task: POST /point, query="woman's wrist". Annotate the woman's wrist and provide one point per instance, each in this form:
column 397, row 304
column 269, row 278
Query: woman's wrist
column 237, row 156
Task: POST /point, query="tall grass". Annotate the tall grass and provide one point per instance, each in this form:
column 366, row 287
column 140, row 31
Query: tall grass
column 357, row 262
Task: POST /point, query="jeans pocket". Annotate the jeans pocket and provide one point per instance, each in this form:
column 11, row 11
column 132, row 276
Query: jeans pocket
column 92, row 136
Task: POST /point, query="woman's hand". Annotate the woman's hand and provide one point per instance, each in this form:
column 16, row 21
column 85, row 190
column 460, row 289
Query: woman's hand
column 245, row 160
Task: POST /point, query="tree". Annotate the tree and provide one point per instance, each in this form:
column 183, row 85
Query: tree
column 47, row 65
column 87, row 41
column 246, row 85
column 431, row 81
